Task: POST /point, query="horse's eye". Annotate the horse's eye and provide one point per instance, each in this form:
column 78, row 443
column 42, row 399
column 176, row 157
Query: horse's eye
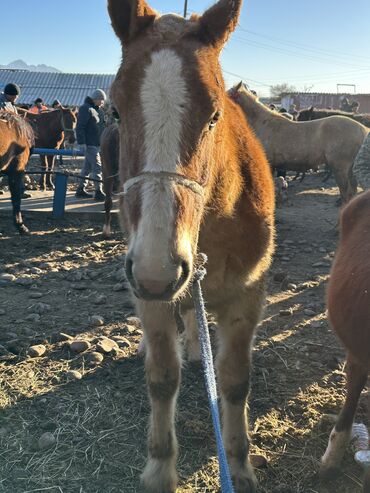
column 214, row 120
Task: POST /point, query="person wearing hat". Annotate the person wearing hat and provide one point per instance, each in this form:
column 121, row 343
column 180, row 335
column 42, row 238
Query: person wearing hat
column 345, row 105
column 38, row 106
column 90, row 125
column 56, row 105
column 9, row 97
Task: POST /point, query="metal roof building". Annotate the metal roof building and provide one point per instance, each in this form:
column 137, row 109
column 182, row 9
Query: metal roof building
column 70, row 89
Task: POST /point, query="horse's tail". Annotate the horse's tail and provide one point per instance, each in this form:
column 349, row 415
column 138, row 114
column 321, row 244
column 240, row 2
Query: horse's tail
column 361, row 165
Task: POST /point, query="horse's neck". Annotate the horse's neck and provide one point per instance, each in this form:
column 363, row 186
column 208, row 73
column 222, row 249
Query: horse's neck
column 254, row 105
column 57, row 121
column 254, row 111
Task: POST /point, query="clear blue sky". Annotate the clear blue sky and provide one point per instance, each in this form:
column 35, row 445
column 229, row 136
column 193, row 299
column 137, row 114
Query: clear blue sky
column 308, row 43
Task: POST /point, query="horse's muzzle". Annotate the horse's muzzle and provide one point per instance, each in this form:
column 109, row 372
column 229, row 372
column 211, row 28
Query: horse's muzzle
column 155, row 290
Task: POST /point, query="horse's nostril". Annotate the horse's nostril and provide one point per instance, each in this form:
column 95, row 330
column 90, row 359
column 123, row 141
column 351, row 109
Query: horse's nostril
column 185, row 270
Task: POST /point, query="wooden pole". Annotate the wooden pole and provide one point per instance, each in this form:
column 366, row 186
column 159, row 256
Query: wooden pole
column 186, row 8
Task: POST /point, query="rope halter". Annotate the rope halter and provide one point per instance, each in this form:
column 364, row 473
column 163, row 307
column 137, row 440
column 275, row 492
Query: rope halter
column 163, row 176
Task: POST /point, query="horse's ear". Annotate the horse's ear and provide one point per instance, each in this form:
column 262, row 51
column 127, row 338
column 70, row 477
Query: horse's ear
column 239, row 86
column 130, row 17
column 219, row 21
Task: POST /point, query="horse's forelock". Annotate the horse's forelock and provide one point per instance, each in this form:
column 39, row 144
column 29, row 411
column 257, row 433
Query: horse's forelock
column 170, row 23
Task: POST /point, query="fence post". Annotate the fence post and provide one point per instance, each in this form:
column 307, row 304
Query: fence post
column 60, row 193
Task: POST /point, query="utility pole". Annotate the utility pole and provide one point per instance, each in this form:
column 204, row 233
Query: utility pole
column 186, row 8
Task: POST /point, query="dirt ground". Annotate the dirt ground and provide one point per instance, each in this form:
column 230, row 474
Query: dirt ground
column 70, row 423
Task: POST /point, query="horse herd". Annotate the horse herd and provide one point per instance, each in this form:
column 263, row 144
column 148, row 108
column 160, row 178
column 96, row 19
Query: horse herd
column 194, row 163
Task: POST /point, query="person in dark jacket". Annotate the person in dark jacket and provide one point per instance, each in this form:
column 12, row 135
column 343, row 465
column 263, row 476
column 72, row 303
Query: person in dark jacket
column 90, row 125
column 345, row 105
column 9, row 97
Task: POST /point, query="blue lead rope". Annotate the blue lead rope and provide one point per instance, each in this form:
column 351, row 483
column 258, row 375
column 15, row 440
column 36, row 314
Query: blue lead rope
column 209, row 375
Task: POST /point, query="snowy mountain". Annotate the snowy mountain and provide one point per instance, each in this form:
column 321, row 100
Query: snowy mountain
column 21, row 65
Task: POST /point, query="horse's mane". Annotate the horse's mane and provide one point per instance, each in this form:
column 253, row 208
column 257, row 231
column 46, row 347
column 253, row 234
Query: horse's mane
column 22, row 127
column 239, row 92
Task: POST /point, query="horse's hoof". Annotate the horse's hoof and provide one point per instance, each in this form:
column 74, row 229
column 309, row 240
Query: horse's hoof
column 159, row 476
column 244, row 484
column 244, row 479
column 327, row 472
column 22, row 229
column 106, row 231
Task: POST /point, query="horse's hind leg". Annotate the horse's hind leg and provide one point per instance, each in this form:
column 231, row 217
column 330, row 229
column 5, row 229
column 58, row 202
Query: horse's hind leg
column 237, row 322
column 327, row 173
column 163, row 379
column 15, row 187
column 43, row 162
column 341, row 433
column 344, row 184
column 352, row 181
column 108, row 202
column 50, row 168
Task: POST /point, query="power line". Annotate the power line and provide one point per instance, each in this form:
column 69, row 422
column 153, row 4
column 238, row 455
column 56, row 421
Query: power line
column 306, row 47
column 285, row 51
column 324, row 78
column 258, row 82
column 352, row 73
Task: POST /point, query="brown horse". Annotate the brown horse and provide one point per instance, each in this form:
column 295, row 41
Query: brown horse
column 109, row 152
column 16, row 140
column 195, row 179
column 299, row 146
column 51, row 128
column 315, row 114
column 349, row 314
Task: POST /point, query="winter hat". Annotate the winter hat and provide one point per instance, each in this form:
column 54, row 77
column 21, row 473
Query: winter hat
column 99, row 94
column 12, row 89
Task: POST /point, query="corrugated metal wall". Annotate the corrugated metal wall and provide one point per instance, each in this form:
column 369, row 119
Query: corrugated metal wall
column 70, row 89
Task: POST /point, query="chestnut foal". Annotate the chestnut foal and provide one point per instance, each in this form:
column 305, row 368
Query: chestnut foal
column 16, row 141
column 349, row 315
column 195, row 178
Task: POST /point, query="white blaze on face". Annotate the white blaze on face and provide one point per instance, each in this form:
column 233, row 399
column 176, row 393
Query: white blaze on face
column 163, row 97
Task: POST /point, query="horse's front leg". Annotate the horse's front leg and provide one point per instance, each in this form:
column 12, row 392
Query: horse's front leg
column 237, row 323
column 163, row 379
column 15, row 186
